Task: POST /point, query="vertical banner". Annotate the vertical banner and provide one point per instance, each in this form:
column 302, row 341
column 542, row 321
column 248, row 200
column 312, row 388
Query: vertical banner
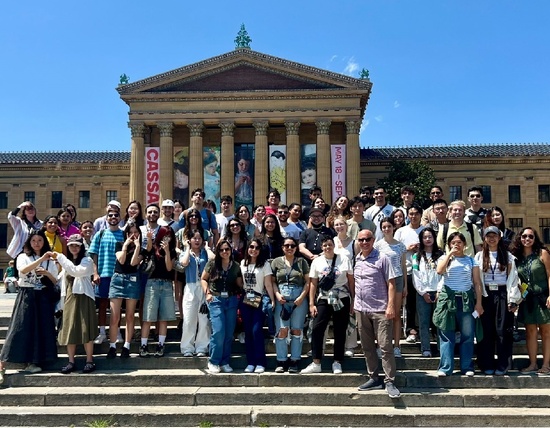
column 152, row 175
column 338, row 169
column 244, row 175
column 277, row 169
column 181, row 175
column 308, row 171
column 212, row 184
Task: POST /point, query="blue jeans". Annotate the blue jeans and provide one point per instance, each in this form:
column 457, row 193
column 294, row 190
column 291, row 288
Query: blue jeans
column 267, row 309
column 425, row 312
column 253, row 323
column 466, row 325
column 223, row 316
column 296, row 322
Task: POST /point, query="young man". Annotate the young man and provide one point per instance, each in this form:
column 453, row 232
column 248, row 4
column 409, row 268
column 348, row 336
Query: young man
column 295, row 211
column 314, row 193
column 436, row 193
column 476, row 213
column 288, row 229
column 358, row 222
column 102, row 223
column 273, row 200
column 167, row 210
column 407, row 196
column 379, row 210
column 440, row 210
column 457, row 224
column 226, row 213
column 366, row 193
column 208, row 219
column 310, row 239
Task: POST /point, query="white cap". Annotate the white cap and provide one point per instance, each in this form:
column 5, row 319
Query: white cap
column 168, row 203
column 114, row 203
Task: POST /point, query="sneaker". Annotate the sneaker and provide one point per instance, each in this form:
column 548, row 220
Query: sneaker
column 372, row 383
column 392, row 390
column 226, row 368
column 33, row 368
column 119, row 338
column 201, row 354
column 349, row 353
column 125, row 353
column 500, row 372
column 411, row 338
column 159, row 352
column 2, row 376
column 427, row 354
column 336, row 368
column 489, row 372
column 89, row 368
column 241, row 337
column 143, row 351
column 312, row 368
column 397, row 352
column 100, row 339
column 280, row 367
column 249, row 369
column 259, row 369
column 379, row 352
column 188, row 354
column 293, row 367
column 469, row 373
column 213, row 368
column 112, row 353
column 441, row 373
column 69, row 368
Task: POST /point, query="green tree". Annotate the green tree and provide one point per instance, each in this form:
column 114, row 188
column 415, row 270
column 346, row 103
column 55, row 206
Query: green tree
column 417, row 174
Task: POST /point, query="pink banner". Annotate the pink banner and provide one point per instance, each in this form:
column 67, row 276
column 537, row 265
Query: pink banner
column 338, row 169
column 152, row 175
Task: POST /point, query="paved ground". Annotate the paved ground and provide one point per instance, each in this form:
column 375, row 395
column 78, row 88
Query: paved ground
column 6, row 303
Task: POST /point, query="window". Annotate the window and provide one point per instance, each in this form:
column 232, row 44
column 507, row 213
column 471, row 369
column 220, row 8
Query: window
column 29, row 196
column 486, row 192
column 57, row 199
column 514, row 194
column 455, row 193
column 515, row 224
column 3, row 200
column 84, row 199
column 3, row 235
column 544, row 226
column 544, row 193
column 111, row 196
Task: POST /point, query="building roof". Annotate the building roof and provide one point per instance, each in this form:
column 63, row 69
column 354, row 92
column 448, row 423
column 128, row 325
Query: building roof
column 7, row 158
column 467, row 151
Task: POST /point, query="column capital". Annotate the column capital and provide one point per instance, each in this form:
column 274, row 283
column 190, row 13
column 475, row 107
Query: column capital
column 292, row 127
column 196, row 128
column 227, row 128
column 137, row 129
column 353, row 126
column 165, row 128
column 261, row 127
column 323, row 126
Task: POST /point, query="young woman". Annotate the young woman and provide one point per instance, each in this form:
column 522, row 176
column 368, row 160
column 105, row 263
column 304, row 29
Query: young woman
column 125, row 285
column 66, row 226
column 23, row 221
column 86, row 231
column 495, row 217
column 295, row 211
column 179, row 207
column 51, row 230
column 339, row 208
column 79, row 314
column 158, row 303
column 533, row 263
column 134, row 215
column 501, row 295
column 271, row 237
column 291, row 289
column 31, row 332
column 222, row 282
column 329, row 303
column 195, row 334
column 398, row 218
column 72, row 211
column 458, row 302
column 235, row 234
column 257, row 279
column 397, row 252
column 425, row 280
column 243, row 214
column 259, row 214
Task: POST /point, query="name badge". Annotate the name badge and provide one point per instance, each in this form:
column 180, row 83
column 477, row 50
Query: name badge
column 250, row 295
column 286, row 293
column 133, row 278
column 224, row 294
column 493, row 287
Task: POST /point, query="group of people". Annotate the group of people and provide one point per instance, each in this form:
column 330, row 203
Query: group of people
column 454, row 272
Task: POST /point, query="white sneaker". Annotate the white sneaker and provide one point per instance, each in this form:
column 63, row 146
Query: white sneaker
column 101, row 338
column 249, row 369
column 259, row 369
column 441, row 373
column 427, row 354
column 349, row 353
column 188, row 354
column 201, row 354
column 226, row 368
column 312, row 368
column 397, row 352
column 336, row 368
column 119, row 338
column 33, row 368
column 469, row 373
column 213, row 368
column 411, row 338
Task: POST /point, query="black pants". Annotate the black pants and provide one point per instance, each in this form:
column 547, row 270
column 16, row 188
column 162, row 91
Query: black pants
column 498, row 326
column 340, row 321
column 410, row 304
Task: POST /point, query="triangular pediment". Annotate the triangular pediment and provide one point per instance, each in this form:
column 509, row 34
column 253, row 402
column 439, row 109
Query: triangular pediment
column 243, row 70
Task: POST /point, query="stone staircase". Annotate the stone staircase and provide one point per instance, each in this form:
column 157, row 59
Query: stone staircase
column 177, row 391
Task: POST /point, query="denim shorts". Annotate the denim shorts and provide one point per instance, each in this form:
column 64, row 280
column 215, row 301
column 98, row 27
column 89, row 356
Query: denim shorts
column 158, row 304
column 125, row 286
column 102, row 290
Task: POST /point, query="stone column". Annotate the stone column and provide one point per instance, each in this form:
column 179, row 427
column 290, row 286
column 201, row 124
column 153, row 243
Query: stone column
column 261, row 171
column 353, row 158
column 166, row 160
column 137, row 162
column 196, row 171
column 292, row 162
column 323, row 159
column 227, row 159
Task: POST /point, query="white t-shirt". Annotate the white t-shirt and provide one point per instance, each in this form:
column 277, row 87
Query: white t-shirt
column 376, row 215
column 320, row 267
column 222, row 222
column 253, row 277
column 408, row 236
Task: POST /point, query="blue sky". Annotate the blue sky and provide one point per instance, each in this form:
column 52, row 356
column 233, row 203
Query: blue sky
column 444, row 72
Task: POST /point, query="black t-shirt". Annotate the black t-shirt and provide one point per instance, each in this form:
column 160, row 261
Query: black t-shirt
column 160, row 271
column 313, row 237
column 126, row 267
column 224, row 280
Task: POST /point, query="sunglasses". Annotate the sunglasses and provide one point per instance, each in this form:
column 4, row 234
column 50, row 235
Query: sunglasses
column 224, row 250
column 283, row 212
column 113, row 215
column 234, row 225
column 526, row 236
column 435, row 193
column 475, row 196
column 365, row 239
column 254, row 247
column 193, row 216
column 289, row 246
column 152, row 212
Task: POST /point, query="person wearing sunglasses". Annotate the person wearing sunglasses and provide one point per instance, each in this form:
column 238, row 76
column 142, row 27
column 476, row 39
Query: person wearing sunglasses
column 291, row 289
column 235, row 233
column 533, row 262
column 222, row 282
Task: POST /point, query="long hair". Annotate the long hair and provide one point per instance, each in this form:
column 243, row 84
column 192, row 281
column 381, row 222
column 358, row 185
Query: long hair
column 127, row 234
column 436, row 251
column 27, row 248
column 277, row 235
column 140, row 221
column 517, row 247
column 502, row 256
column 261, row 259
column 247, row 210
column 164, row 231
column 488, row 221
column 24, row 217
column 334, row 211
column 243, row 237
column 188, row 228
column 78, row 259
column 47, row 219
column 218, row 258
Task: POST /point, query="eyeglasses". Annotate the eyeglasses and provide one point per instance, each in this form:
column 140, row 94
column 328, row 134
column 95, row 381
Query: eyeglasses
column 289, row 246
column 234, row 225
column 365, row 239
column 316, row 216
column 224, row 250
column 254, row 247
column 113, row 215
column 475, row 196
column 526, row 236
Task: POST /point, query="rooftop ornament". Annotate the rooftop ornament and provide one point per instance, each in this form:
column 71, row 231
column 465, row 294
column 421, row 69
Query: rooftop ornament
column 242, row 41
column 124, row 79
column 364, row 75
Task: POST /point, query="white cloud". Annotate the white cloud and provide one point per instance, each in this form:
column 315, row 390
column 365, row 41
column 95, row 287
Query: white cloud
column 379, row 118
column 333, row 57
column 396, row 104
column 364, row 125
column 351, row 67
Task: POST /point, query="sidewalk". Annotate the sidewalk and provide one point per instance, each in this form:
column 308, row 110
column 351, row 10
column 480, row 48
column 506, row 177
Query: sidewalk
column 6, row 304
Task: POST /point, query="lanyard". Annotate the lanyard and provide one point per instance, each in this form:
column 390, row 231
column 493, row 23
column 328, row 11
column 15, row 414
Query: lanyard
column 288, row 271
column 494, row 268
column 529, row 266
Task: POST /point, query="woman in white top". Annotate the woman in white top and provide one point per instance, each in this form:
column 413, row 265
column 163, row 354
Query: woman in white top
column 397, row 252
column 257, row 280
column 23, row 220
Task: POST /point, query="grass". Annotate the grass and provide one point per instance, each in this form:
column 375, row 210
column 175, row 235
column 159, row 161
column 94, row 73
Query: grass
column 205, row 424
column 101, row 423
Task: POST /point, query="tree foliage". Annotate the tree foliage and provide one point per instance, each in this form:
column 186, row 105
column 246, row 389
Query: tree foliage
column 417, row 174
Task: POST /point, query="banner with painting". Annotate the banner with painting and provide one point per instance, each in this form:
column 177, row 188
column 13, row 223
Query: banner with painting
column 338, row 170
column 308, row 171
column 181, row 175
column 244, row 175
column 277, row 169
column 211, row 164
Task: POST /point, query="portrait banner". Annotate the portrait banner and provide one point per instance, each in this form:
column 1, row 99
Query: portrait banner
column 152, row 175
column 277, row 169
column 212, row 183
column 181, row 175
column 338, row 170
column 244, row 175
column 308, row 171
